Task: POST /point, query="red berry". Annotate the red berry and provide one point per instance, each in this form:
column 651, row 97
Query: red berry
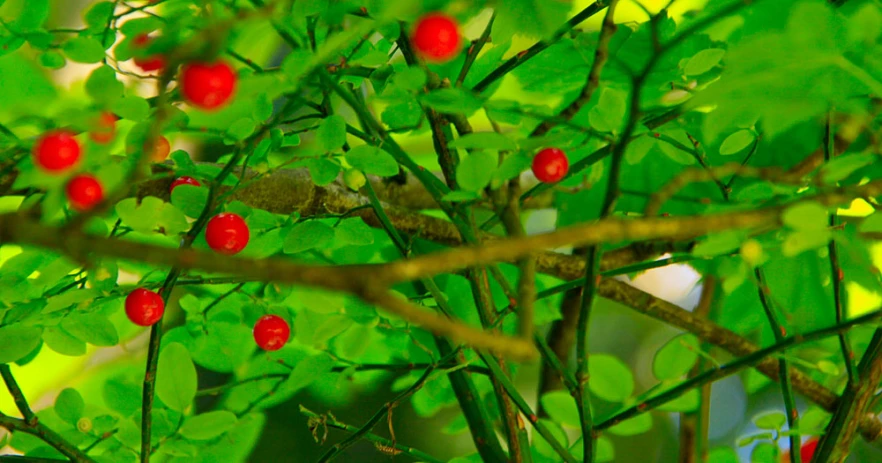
column 144, row 307
column 208, row 86
column 160, row 150
column 147, row 63
column 84, row 192
column 436, row 37
column 104, row 128
column 550, row 165
column 184, row 181
column 807, row 451
column 227, row 233
column 57, row 150
column 271, row 332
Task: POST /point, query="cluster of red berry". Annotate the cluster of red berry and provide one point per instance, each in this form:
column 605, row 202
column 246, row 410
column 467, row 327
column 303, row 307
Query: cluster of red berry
column 436, row 38
column 210, row 86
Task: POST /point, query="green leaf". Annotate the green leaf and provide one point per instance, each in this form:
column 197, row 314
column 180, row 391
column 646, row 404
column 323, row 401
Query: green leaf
column 208, row 425
column 461, row 196
column 718, row 244
column 532, row 18
column 151, row 214
column 807, row 215
column 704, row 61
column 747, row 440
column 771, row 420
column 98, row 16
column 372, row 160
column 190, row 199
column 307, row 235
column 69, row 405
column 800, row 241
column 93, row 328
column 83, row 50
column 309, row 370
column 676, row 357
column 52, row 60
column 133, row 108
column 242, row 128
column 633, row 426
column 452, row 101
column 331, row 134
column 475, row 171
column 541, row 445
column 323, row 171
column 176, row 381
column 843, row 166
column 871, row 224
column 609, row 113
column 722, row 455
column 33, row 14
column 765, row 452
column 63, row 342
column 611, row 379
column 813, row 421
column 410, row 79
column 354, row 231
column 406, row 112
column 561, row 408
column 136, row 26
column 512, row 166
column 736, row 142
column 484, row 140
column 103, row 87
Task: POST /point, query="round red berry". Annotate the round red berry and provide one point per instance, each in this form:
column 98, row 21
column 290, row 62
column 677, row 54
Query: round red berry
column 208, row 86
column 144, row 307
column 184, row 181
column 227, row 233
column 57, row 150
column 103, row 128
column 807, row 451
column 271, row 332
column 84, row 191
column 147, row 63
column 160, row 149
column 550, row 165
column 436, row 37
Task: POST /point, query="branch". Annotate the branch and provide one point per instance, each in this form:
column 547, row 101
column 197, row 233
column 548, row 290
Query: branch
column 601, row 54
column 779, row 332
column 382, row 444
column 338, row 448
column 47, row 435
column 835, row 443
column 537, row 47
column 756, row 358
column 608, row 231
column 17, row 396
column 675, row 316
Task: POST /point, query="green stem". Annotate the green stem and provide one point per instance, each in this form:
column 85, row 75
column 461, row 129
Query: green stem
column 779, row 331
column 735, row 366
column 386, row 443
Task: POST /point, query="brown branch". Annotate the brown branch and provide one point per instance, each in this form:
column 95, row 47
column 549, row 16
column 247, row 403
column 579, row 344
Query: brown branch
column 601, row 55
column 17, row 396
column 694, row 424
column 47, row 435
column 670, row 314
column 609, row 230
